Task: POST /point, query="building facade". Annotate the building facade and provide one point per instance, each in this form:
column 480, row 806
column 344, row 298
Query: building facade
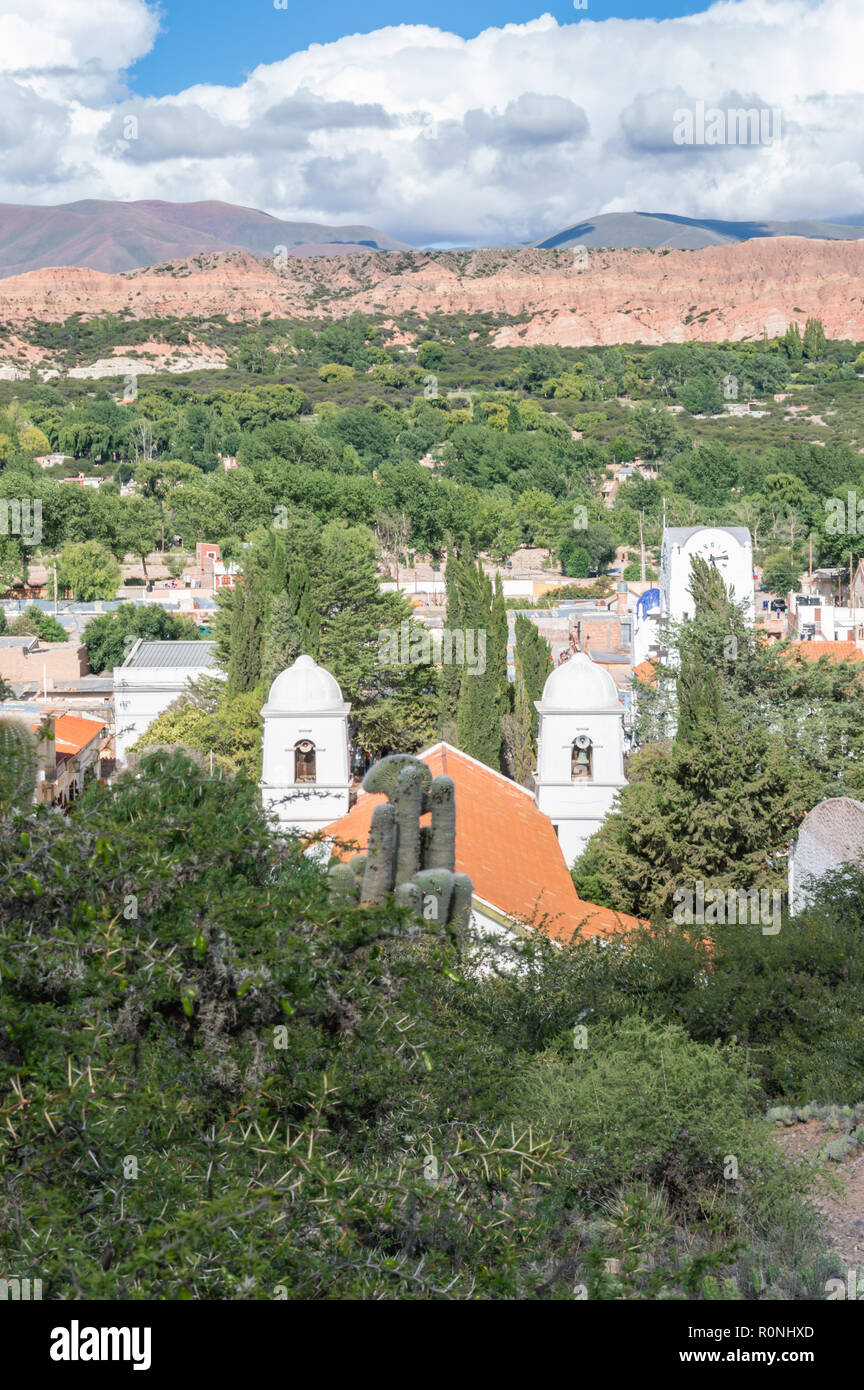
column 153, row 675
column 728, row 548
column 305, row 774
column 580, row 751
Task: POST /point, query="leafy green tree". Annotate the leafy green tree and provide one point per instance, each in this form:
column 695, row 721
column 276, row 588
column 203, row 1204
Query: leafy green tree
column 138, row 528
column 792, row 344
column 815, row 344
column 779, row 574
column 88, row 570
column 33, row 622
column 656, row 432
column 540, row 517
column 719, row 803
column 107, row 635
column 532, row 666
column 701, row 395
column 430, row 355
column 575, row 560
column 208, row 722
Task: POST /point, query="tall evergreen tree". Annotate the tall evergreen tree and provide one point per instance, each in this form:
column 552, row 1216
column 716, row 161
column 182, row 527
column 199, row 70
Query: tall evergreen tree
column 531, row 659
column 249, row 612
column 451, row 673
column 483, row 695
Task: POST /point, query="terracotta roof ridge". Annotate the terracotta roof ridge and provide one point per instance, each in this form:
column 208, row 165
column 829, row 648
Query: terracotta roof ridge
column 445, row 748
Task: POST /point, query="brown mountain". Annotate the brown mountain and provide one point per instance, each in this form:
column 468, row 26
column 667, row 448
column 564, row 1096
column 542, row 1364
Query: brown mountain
column 736, row 292
column 124, row 236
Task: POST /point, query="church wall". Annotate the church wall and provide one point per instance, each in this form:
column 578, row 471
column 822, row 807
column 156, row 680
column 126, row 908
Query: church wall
column 737, row 573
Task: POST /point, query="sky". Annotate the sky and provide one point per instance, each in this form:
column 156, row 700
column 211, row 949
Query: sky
column 235, row 37
column 439, row 124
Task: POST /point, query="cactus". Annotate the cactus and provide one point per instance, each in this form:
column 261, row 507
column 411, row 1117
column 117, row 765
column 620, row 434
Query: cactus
column 398, row 845
column 409, row 804
column 18, row 763
column 438, row 884
column 379, row 874
column 343, row 883
column 409, row 895
column 383, row 776
column 460, row 903
column 441, row 845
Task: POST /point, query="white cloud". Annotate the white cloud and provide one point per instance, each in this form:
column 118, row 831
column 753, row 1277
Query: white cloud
column 506, row 136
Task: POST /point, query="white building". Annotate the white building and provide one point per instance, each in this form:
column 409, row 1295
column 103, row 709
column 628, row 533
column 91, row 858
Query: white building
column 150, row 679
column 728, row 548
column 580, row 756
column 305, row 775
column 830, row 835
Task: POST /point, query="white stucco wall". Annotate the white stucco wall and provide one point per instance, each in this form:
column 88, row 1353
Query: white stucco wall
column 306, row 806
column 718, row 542
column 141, row 694
column 578, row 808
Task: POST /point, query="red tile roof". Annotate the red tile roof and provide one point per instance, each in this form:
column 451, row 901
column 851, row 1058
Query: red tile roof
column 505, row 844
column 646, row 671
column 835, row 651
column 71, row 733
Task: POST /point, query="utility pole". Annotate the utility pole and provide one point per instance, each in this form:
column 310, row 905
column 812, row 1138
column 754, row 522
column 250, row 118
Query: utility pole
column 810, row 577
column 641, row 550
column 55, row 588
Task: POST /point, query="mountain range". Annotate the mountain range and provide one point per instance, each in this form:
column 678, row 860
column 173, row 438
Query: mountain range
column 97, row 234
column 651, row 230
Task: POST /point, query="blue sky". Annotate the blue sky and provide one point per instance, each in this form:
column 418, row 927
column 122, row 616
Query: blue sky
column 219, row 41
column 506, row 121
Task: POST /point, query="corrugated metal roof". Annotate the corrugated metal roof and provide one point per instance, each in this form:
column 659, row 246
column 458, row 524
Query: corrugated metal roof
column 162, row 654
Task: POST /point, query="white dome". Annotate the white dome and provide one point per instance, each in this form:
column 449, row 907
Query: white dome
column 304, row 688
column 580, row 684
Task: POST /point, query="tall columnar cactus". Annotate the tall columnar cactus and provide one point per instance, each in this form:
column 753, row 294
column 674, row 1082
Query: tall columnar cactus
column 19, row 761
column 436, row 885
column 419, row 862
column 379, row 874
column 383, row 776
column 410, row 793
column 460, row 902
column 440, row 845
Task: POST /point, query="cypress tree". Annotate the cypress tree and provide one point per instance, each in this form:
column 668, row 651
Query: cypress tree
column 248, row 624
column 483, row 695
column 451, row 673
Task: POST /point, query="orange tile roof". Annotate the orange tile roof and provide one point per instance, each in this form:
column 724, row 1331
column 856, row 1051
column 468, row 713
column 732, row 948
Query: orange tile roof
column 645, row 671
column 505, row 844
column 71, row 733
column 835, row 651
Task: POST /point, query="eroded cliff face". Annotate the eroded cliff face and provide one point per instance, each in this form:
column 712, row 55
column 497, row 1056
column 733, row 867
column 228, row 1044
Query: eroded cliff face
column 734, row 292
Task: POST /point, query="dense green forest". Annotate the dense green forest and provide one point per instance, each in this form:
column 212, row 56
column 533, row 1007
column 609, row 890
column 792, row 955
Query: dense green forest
column 245, row 1090
column 329, row 420
column 218, row 1082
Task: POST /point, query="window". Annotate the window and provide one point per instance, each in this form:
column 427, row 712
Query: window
column 581, row 762
column 304, row 761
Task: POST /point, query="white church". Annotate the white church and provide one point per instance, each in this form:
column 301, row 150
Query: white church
column 306, row 772
column 729, row 549
column 580, row 751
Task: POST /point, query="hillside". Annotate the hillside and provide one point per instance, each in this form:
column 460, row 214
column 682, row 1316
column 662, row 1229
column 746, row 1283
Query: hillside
column 623, row 230
column 112, row 236
column 737, row 292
